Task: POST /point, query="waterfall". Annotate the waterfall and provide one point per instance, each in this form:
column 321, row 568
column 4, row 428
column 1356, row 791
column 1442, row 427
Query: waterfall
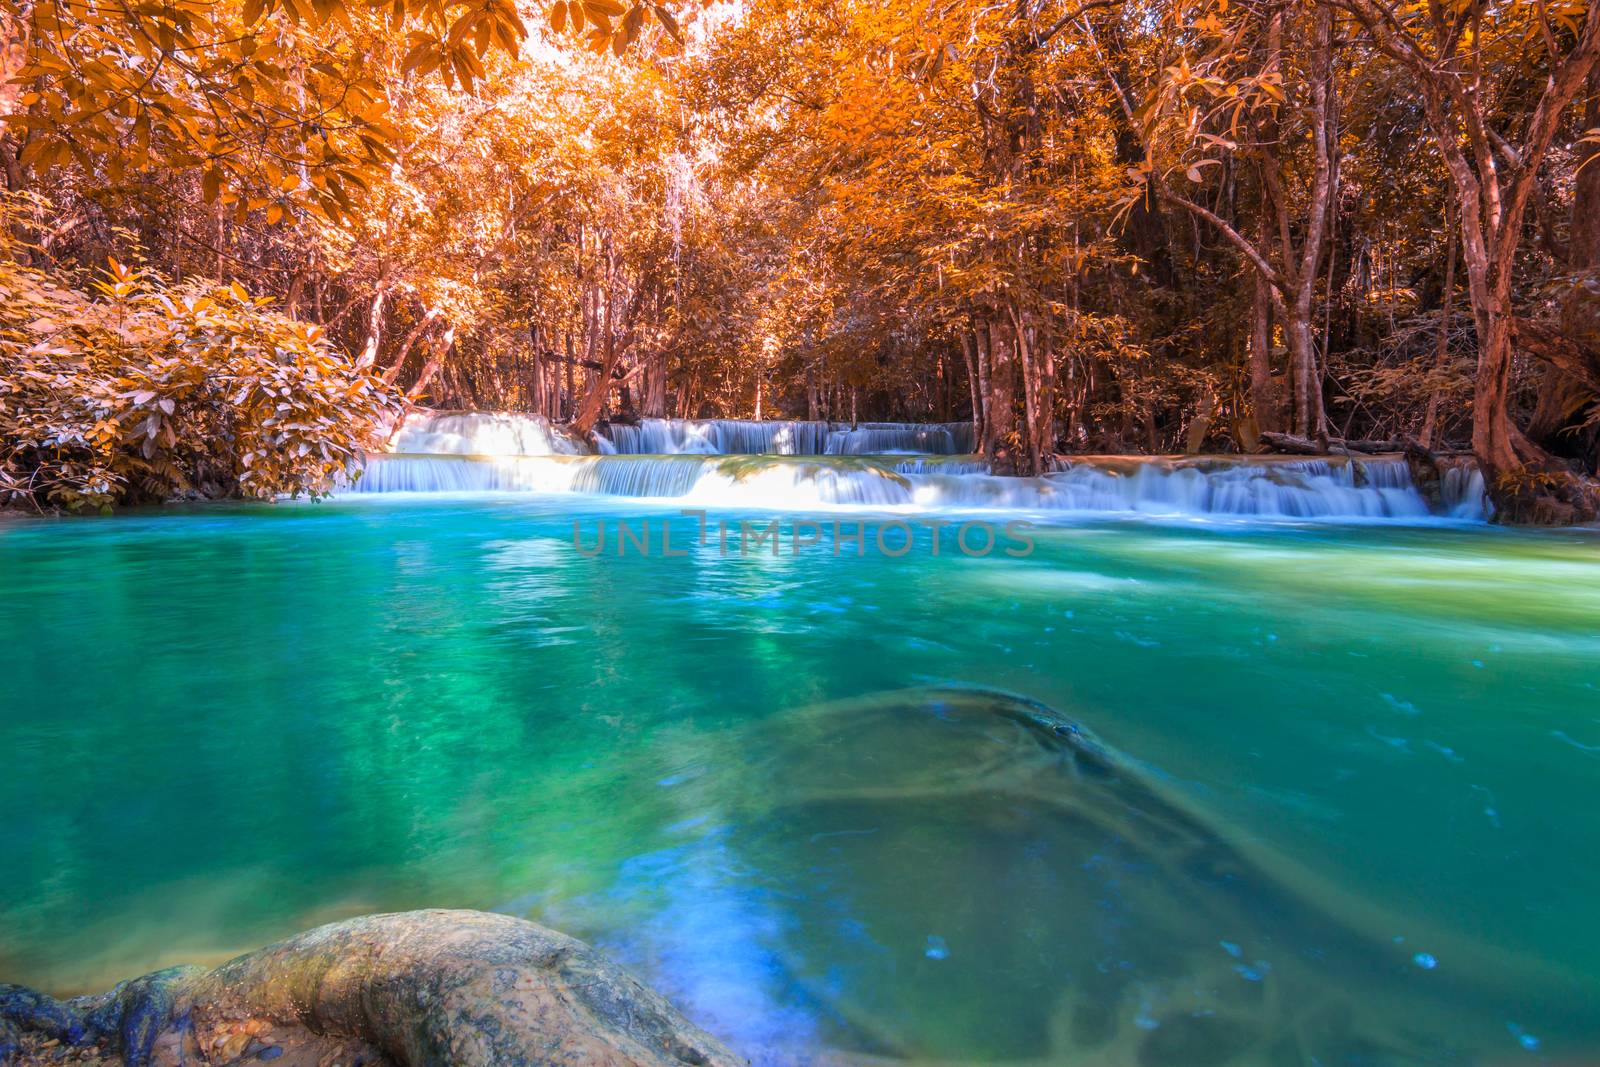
column 711, row 437
column 936, row 464
column 797, row 465
column 1463, row 491
column 1372, row 487
column 1294, row 489
column 480, row 433
column 871, row 439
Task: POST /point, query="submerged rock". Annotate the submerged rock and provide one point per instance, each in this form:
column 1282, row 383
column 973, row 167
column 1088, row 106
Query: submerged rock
column 986, row 881
column 413, row 989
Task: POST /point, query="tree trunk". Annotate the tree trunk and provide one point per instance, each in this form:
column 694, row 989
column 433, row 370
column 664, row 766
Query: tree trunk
column 1000, row 437
column 969, row 350
column 655, row 385
column 1309, row 418
column 1492, row 435
column 434, row 364
column 594, row 398
column 1037, row 397
column 407, row 343
column 535, row 376
column 1264, row 399
column 369, row 350
column 564, row 409
column 980, row 340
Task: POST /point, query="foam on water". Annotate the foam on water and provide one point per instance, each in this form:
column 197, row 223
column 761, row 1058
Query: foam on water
column 1371, row 488
column 1465, row 495
column 675, row 437
column 480, row 433
column 796, row 464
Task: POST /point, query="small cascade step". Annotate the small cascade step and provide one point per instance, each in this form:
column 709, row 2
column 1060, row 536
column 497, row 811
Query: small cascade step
column 1366, row 488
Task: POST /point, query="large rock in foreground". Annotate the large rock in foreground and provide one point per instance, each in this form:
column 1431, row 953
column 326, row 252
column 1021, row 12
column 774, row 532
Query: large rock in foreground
column 413, row 989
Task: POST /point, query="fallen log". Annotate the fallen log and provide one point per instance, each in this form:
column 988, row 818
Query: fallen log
column 1304, row 446
column 1288, row 442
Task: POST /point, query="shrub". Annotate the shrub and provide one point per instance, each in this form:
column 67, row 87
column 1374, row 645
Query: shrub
column 141, row 390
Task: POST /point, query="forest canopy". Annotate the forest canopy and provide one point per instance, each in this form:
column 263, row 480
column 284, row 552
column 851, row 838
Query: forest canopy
column 1086, row 226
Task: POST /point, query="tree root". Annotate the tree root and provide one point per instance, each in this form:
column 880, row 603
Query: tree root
column 1553, row 496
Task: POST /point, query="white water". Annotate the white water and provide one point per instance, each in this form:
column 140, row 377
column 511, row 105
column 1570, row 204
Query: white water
column 1463, row 492
column 727, row 437
column 480, row 433
column 789, row 465
column 1300, row 489
column 875, row 438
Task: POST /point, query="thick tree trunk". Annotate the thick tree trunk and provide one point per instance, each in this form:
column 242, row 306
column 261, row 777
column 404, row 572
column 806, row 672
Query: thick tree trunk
column 1493, row 437
column 655, row 385
column 1309, row 418
column 618, row 338
column 1000, row 436
column 594, row 397
column 535, row 377
column 1029, row 462
column 1037, row 373
column 1492, row 201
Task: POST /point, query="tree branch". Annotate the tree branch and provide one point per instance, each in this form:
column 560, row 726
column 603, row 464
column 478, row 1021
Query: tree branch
column 1250, row 251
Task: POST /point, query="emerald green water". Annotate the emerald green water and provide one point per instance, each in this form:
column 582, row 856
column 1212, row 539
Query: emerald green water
column 222, row 725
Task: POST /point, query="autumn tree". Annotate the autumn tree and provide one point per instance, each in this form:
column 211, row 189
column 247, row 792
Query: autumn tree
column 1472, row 64
column 1258, row 83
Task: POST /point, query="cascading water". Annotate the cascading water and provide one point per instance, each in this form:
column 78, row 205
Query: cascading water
column 805, row 464
column 1372, row 487
column 1463, row 492
column 675, row 437
column 480, row 433
column 1312, row 488
column 877, row 438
